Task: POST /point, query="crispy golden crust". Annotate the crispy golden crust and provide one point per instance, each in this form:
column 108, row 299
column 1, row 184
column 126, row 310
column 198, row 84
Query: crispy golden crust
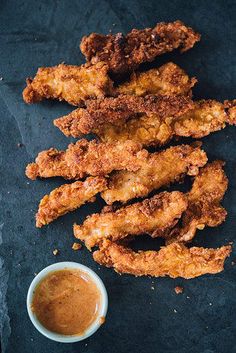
column 150, row 216
column 158, row 169
column 204, row 207
column 125, row 53
column 167, row 79
column 174, row 260
column 199, row 120
column 230, row 106
column 67, row 198
column 115, row 111
column 86, row 158
column 73, row 84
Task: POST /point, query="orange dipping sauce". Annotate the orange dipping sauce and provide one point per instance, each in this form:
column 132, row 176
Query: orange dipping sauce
column 67, row 302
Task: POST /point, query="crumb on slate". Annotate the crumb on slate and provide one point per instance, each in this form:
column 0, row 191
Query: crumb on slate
column 232, row 263
column 20, row 145
column 179, row 290
column 55, row 252
column 76, row 246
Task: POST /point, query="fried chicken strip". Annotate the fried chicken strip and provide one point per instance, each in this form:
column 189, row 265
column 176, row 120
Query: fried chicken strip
column 167, row 79
column 204, row 207
column 86, row 158
column 157, row 170
column 73, row 84
column 150, row 216
column 174, row 260
column 67, row 198
column 202, row 118
column 125, row 53
column 115, row 111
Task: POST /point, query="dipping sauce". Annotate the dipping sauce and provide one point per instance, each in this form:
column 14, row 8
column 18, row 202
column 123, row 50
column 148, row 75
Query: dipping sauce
column 67, row 302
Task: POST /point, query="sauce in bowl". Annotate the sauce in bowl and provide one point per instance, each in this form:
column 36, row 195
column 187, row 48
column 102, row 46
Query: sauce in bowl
column 67, row 301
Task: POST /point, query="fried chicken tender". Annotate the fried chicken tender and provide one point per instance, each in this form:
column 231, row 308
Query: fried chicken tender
column 99, row 113
column 167, row 79
column 86, row 158
column 67, row 198
column 125, row 53
column 202, row 118
column 73, row 84
column 174, row 260
column 204, row 207
column 157, row 170
column 150, row 216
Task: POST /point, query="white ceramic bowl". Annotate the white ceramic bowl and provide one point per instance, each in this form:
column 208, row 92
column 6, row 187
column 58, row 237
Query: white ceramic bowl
column 95, row 325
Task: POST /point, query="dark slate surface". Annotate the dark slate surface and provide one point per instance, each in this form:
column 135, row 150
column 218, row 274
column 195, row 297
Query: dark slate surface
column 43, row 33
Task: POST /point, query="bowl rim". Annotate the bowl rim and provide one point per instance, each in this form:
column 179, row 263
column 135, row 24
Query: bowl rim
column 56, row 336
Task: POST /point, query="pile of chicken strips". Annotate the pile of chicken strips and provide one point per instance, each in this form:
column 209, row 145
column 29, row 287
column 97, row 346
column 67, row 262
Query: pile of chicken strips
column 128, row 111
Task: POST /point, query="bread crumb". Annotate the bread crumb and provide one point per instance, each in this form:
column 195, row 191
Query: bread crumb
column 175, row 311
column 179, row 290
column 55, row 252
column 102, row 320
column 20, row 145
column 152, row 288
column 232, row 263
column 76, row 246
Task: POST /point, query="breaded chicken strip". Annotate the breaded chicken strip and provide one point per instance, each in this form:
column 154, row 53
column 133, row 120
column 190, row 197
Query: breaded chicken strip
column 167, row 79
column 204, row 207
column 86, row 158
column 174, row 260
column 67, row 198
column 200, row 120
column 73, row 84
column 125, row 53
column 157, row 170
column 150, row 216
column 115, row 111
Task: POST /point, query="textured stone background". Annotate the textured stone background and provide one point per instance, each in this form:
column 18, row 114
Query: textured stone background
column 43, row 33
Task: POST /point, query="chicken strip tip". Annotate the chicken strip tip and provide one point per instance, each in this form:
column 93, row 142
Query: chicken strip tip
column 67, row 198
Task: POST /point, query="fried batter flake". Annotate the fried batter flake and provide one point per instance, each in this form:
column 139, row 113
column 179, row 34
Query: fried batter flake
column 157, row 170
column 174, row 260
column 99, row 115
column 204, row 207
column 67, row 198
column 86, row 158
column 202, row 118
column 150, row 216
column 125, row 53
column 73, row 84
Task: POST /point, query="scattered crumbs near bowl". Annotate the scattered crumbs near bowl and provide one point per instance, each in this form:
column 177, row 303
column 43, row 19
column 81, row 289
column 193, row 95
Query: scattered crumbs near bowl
column 76, row 246
column 102, row 320
column 20, row 145
column 1, row 78
column 232, row 263
column 179, row 290
column 152, row 288
column 55, row 252
column 175, row 311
